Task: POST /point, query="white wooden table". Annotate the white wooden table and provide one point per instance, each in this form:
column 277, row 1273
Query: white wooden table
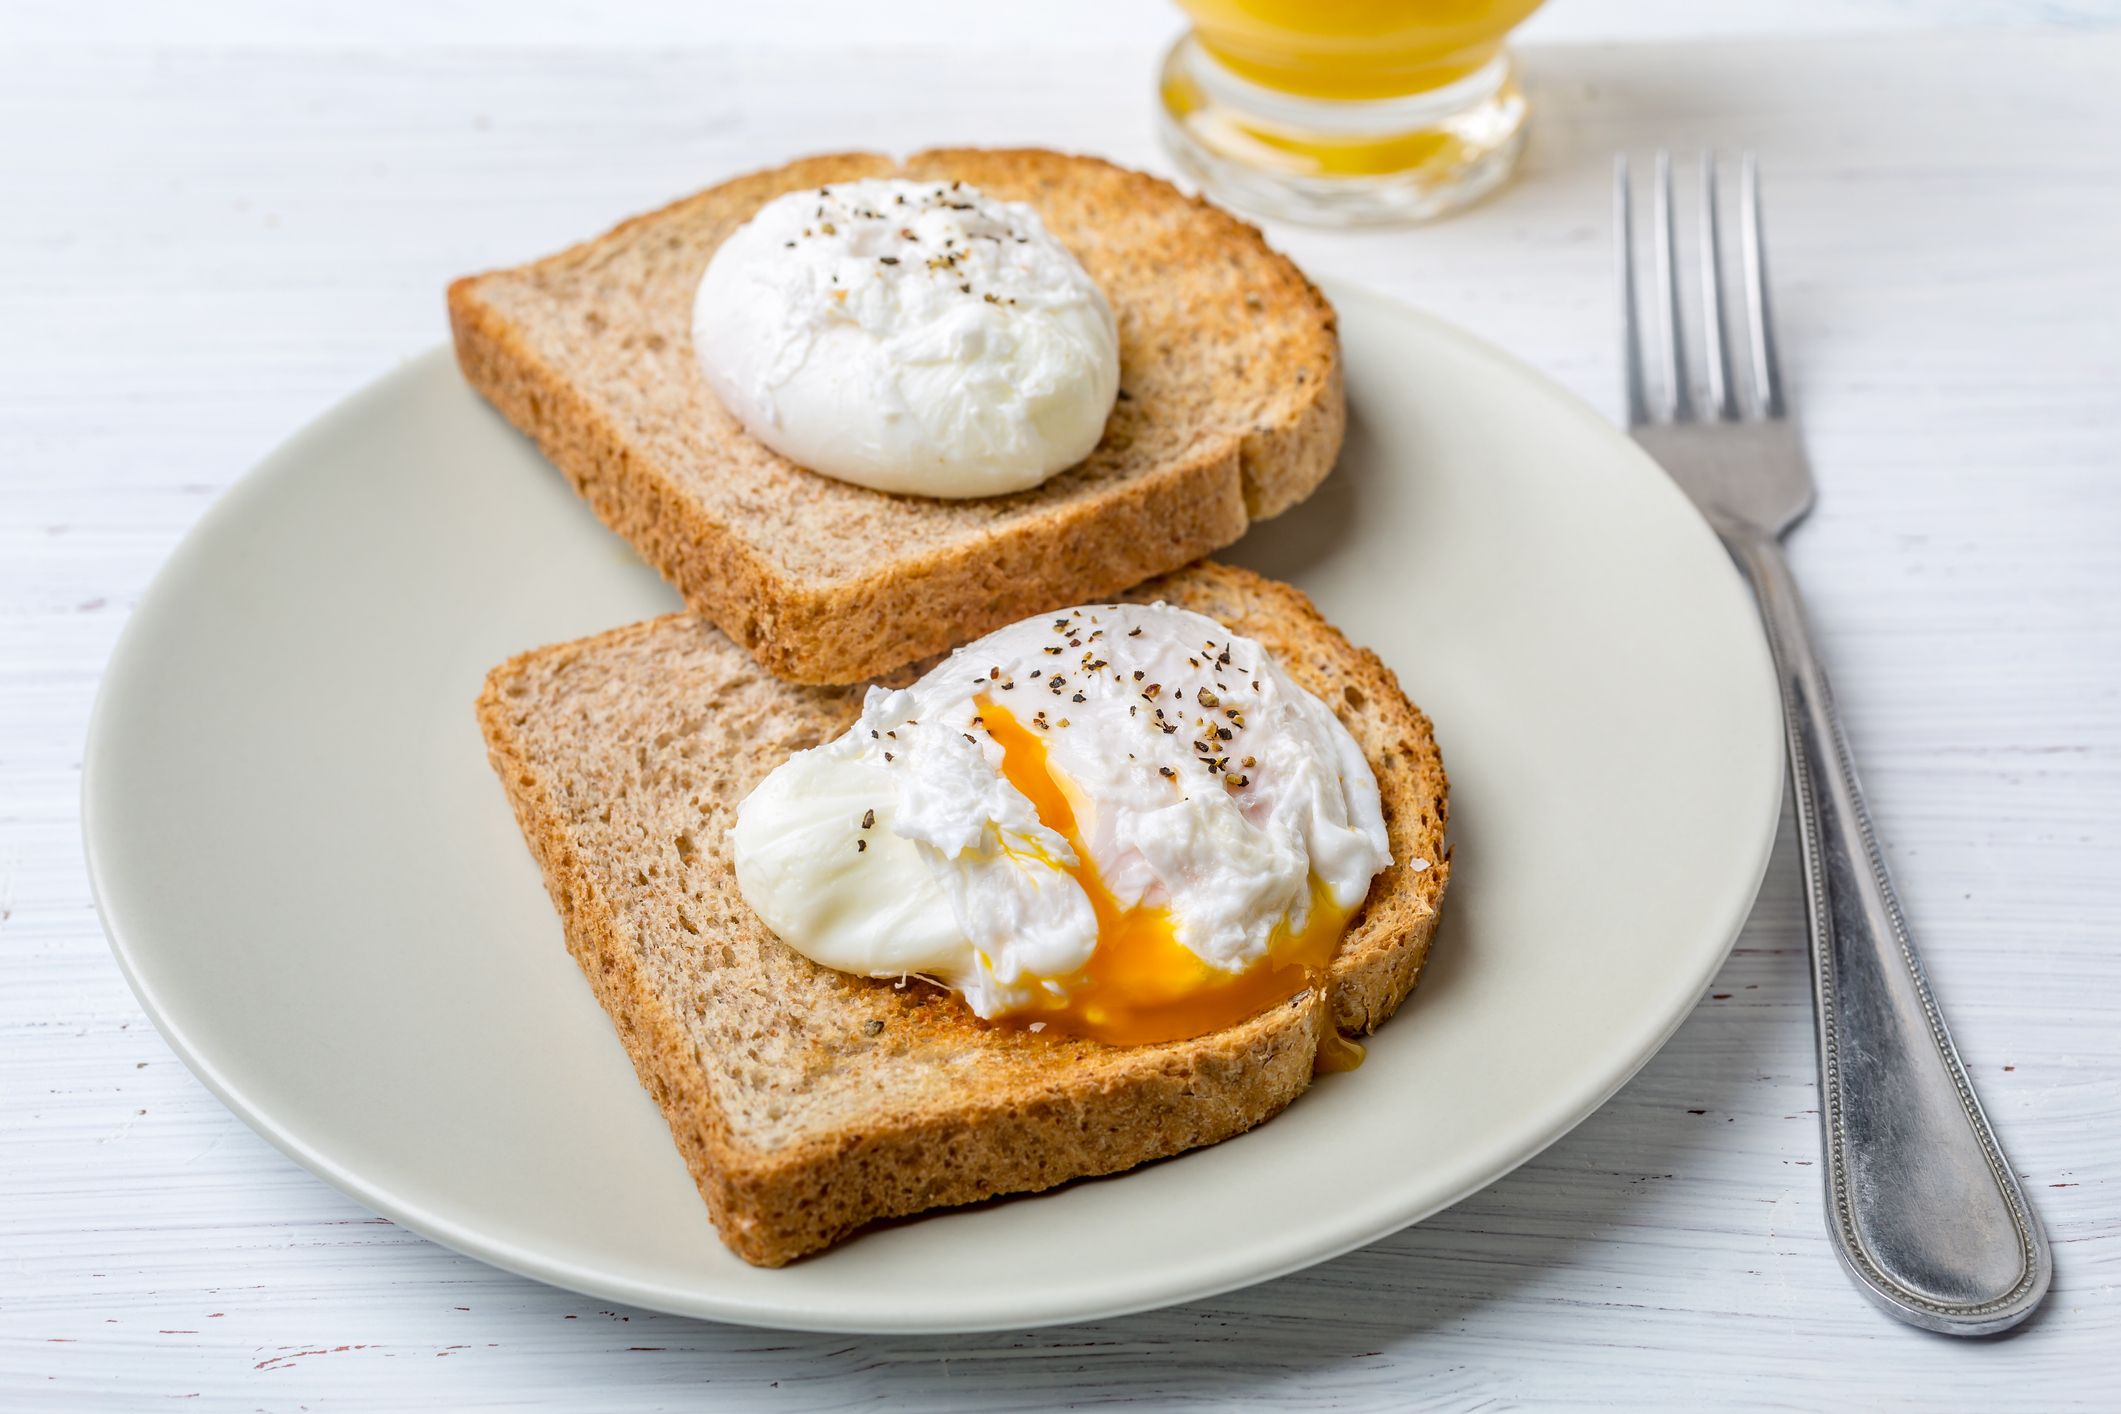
column 203, row 243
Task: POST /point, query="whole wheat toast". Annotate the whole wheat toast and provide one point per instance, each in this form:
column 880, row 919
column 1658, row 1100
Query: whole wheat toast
column 808, row 1102
column 1230, row 410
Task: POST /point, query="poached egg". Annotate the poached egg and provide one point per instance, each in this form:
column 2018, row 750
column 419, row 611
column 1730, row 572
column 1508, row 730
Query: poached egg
column 917, row 337
column 1120, row 821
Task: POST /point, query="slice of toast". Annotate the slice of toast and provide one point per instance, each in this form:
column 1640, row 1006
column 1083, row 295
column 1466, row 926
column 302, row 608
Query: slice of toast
column 808, row 1102
column 1231, row 410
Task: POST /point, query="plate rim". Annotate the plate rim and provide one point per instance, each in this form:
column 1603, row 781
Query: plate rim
column 1359, row 1228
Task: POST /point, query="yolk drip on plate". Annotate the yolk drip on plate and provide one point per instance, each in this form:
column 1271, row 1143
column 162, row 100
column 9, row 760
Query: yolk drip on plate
column 1141, row 983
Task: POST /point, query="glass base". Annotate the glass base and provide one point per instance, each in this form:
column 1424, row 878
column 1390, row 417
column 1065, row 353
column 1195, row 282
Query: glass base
column 1340, row 163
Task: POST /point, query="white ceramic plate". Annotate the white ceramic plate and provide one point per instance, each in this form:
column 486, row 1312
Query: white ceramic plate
column 315, row 886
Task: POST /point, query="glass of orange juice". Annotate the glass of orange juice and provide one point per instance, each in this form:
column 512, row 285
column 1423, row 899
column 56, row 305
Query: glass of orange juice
column 1346, row 112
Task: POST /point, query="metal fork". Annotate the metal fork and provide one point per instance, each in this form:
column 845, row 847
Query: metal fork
column 1925, row 1210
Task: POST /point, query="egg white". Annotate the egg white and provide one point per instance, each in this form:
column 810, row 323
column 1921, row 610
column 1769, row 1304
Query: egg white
column 1203, row 779
column 917, row 337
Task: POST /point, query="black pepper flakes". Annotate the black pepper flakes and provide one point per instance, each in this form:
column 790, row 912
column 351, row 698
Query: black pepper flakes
column 869, row 819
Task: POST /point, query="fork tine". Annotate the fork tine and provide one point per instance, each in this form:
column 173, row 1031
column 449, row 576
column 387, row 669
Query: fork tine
column 1630, row 323
column 1767, row 372
column 1675, row 400
column 1719, row 349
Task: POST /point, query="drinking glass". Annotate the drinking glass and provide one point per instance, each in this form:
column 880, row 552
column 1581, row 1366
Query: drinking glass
column 1346, row 112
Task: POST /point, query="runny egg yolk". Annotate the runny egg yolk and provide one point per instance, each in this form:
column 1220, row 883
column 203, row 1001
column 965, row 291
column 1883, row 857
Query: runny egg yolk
column 1141, row 984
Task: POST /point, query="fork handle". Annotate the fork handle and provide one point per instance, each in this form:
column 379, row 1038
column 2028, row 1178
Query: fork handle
column 1924, row 1208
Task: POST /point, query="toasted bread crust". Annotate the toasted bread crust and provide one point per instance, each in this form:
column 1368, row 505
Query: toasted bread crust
column 772, row 1209
column 1235, row 412
column 1019, row 1113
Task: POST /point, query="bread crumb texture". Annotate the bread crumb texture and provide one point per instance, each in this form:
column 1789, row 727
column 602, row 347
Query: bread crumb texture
column 808, row 1102
column 1231, row 411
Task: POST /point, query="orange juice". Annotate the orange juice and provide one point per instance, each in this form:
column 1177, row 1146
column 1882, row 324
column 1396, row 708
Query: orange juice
column 1355, row 49
column 1346, row 112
